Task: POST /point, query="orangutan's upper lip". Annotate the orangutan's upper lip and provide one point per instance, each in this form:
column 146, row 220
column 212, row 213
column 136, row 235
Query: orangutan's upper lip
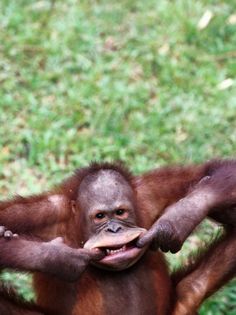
column 114, row 240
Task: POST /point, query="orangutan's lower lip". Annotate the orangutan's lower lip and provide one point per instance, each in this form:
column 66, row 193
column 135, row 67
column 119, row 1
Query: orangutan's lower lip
column 121, row 259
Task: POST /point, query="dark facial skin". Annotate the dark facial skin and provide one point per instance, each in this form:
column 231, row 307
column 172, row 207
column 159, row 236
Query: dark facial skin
column 108, row 203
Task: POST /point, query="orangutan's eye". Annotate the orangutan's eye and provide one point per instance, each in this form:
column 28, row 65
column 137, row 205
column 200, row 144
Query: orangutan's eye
column 100, row 215
column 120, row 212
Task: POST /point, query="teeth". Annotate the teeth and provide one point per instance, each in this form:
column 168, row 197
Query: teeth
column 115, row 251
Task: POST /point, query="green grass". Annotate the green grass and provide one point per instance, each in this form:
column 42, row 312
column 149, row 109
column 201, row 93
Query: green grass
column 132, row 80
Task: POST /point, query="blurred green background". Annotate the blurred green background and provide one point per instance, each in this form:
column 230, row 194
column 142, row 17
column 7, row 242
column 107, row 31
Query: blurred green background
column 149, row 82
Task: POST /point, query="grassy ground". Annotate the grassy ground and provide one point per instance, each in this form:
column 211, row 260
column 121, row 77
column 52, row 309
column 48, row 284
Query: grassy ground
column 141, row 81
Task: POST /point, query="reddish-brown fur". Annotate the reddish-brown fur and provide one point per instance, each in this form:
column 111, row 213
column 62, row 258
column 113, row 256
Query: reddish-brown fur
column 50, row 215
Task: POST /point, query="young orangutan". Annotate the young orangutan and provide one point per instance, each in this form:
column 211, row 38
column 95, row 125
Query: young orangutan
column 110, row 218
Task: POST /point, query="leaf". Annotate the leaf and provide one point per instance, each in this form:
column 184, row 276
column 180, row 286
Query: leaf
column 205, row 20
column 227, row 83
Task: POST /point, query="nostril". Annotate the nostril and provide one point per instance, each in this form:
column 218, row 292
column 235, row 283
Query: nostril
column 113, row 229
column 118, row 228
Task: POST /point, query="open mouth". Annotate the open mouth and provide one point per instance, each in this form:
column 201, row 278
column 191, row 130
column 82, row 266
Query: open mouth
column 113, row 250
column 120, row 248
column 121, row 257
